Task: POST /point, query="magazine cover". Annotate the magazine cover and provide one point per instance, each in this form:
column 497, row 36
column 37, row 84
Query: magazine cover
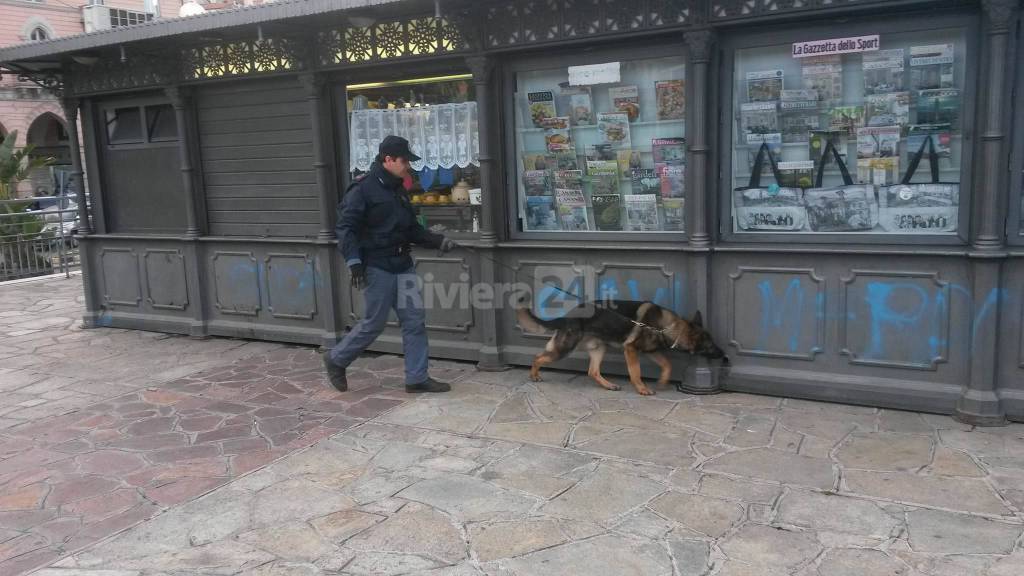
column 642, row 212
column 568, row 179
column 892, row 109
column 878, row 142
column 671, row 98
column 799, row 174
column 797, row 125
column 536, row 183
column 613, row 128
column 764, row 85
column 542, row 107
column 825, row 75
column 557, row 135
column 576, row 103
column 669, row 150
column 820, row 138
column 565, row 160
column 942, row 136
column 628, row 161
column 572, row 209
column 931, row 67
column 674, row 215
column 878, row 171
column 607, row 211
column 645, row 181
column 539, row 162
column 540, row 213
column 604, row 176
column 601, row 152
column 673, row 180
column 757, row 118
column 804, row 99
column 938, row 106
column 626, row 99
column 846, row 119
column 883, row 71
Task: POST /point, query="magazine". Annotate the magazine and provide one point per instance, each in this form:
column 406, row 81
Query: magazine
column 671, row 98
column 820, row 138
column 846, row 119
column 942, row 136
column 938, row 106
column 568, row 179
column 607, row 211
column 604, row 176
column 878, row 142
column 614, row 128
column 576, row 103
column 931, row 67
column 626, row 99
column 673, row 180
column 542, row 107
column 645, row 181
column 799, row 174
column 557, row 135
column 674, row 214
column 565, row 160
column 825, row 75
column 642, row 212
column 628, row 161
column 878, row 171
column 892, row 109
column 803, row 99
column 536, row 183
column 883, row 71
column 572, row 209
column 669, row 150
column 764, row 85
column 539, row 162
column 540, row 213
column 601, row 152
column 797, row 125
column 758, row 118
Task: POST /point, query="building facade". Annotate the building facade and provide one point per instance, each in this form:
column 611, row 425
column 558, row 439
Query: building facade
column 836, row 186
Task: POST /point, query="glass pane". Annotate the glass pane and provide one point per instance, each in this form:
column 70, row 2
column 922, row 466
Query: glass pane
column 864, row 142
column 602, row 157
column 161, row 123
column 124, row 125
column 438, row 116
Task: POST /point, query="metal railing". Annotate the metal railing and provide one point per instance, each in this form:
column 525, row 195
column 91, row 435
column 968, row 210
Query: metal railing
column 37, row 240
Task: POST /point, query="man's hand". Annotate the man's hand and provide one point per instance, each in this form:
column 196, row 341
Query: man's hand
column 358, row 273
column 447, row 244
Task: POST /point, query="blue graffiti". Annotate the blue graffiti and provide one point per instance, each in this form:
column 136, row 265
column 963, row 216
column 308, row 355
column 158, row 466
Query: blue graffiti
column 773, row 315
column 906, row 324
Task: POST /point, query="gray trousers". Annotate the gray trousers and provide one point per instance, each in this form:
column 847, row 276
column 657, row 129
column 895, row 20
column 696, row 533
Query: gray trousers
column 386, row 291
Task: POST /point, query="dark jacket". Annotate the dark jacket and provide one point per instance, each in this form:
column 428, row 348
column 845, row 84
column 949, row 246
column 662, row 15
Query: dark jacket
column 376, row 223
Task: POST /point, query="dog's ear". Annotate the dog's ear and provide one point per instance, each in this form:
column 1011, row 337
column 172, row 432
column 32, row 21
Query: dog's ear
column 697, row 319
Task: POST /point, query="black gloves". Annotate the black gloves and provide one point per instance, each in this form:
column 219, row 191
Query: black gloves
column 358, row 273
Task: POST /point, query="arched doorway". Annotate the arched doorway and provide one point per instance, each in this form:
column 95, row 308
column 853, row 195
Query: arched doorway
column 49, row 137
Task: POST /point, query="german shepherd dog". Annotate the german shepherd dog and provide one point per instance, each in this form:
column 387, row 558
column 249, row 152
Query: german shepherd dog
column 598, row 325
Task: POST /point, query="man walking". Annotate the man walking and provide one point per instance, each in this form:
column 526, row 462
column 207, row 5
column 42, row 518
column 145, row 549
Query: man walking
column 376, row 225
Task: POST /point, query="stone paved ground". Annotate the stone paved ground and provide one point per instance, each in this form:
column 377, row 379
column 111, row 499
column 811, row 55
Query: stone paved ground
column 250, row 465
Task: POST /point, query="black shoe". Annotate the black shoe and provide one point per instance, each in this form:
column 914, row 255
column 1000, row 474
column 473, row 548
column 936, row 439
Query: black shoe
column 335, row 374
column 430, row 385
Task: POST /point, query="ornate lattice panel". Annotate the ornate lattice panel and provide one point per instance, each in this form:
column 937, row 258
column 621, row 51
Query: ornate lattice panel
column 109, row 75
column 241, row 58
column 735, row 9
column 535, row 21
column 388, row 40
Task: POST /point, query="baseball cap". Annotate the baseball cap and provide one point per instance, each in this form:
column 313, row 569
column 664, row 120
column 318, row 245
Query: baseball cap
column 397, row 147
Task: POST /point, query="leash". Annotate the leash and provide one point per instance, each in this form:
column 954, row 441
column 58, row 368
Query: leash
column 662, row 331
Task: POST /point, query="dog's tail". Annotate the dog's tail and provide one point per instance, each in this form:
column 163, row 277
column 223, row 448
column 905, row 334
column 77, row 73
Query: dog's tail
column 532, row 323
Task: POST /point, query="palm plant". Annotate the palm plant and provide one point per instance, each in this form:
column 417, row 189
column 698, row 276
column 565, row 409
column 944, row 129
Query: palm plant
column 15, row 225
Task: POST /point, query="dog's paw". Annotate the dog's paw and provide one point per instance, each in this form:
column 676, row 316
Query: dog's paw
column 536, row 378
column 645, row 391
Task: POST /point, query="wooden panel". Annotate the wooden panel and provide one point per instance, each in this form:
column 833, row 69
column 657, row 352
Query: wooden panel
column 143, row 190
column 264, row 203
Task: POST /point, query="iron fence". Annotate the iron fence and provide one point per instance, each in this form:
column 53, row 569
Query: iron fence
column 37, row 237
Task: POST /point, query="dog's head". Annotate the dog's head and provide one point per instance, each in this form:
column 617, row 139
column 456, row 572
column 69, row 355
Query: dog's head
column 690, row 335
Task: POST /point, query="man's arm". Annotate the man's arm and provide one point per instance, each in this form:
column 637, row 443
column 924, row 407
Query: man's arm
column 424, row 237
column 350, row 220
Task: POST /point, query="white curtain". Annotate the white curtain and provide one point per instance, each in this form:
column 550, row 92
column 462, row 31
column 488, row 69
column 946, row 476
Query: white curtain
column 444, row 135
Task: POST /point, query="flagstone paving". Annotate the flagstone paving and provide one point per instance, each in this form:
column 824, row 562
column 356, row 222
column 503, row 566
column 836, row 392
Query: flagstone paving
column 254, row 466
